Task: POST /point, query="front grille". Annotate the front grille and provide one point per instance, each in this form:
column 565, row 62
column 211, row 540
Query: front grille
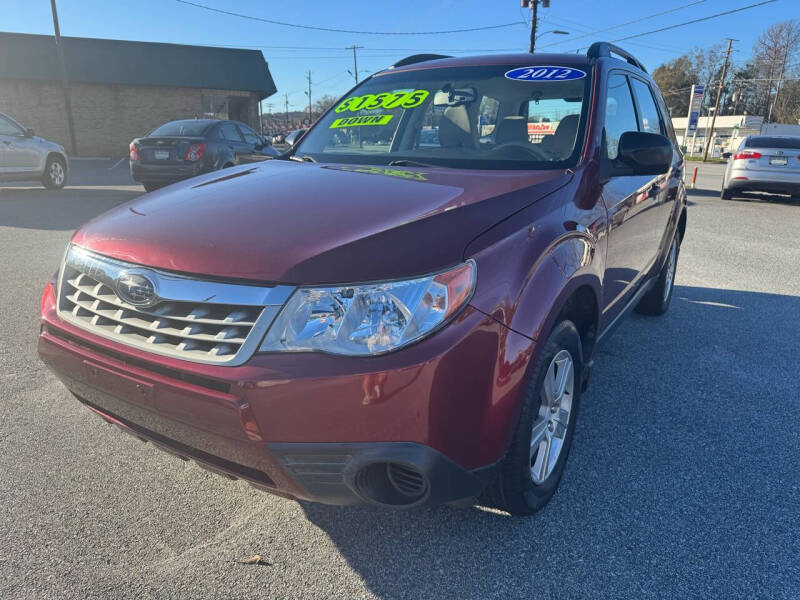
column 197, row 320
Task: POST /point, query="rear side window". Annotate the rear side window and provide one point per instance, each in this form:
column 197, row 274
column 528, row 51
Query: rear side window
column 620, row 113
column 228, row 131
column 763, row 141
column 249, row 135
column 649, row 119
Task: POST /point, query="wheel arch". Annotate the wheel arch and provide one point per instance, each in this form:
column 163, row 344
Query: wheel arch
column 59, row 156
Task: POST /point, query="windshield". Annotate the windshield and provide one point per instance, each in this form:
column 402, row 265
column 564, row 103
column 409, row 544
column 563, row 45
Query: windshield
column 182, row 129
column 466, row 117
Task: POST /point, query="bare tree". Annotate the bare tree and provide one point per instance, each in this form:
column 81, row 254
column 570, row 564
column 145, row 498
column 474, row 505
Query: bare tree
column 323, row 103
column 708, row 67
column 774, row 50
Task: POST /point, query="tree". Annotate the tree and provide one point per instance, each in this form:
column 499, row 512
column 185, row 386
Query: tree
column 743, row 89
column 323, row 104
column 708, row 66
column 675, row 80
column 774, row 50
column 786, row 105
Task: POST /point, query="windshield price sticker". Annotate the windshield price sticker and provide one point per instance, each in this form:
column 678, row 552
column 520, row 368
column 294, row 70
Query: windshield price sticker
column 545, row 73
column 386, row 100
column 361, row 121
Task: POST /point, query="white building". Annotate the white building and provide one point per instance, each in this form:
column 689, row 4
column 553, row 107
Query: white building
column 728, row 132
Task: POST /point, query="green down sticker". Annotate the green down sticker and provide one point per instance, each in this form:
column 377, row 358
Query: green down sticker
column 361, row 121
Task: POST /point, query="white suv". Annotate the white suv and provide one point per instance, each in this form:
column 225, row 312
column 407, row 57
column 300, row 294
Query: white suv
column 26, row 157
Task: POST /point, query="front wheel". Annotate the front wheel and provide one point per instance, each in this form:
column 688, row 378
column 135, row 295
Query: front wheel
column 55, row 173
column 656, row 301
column 535, row 461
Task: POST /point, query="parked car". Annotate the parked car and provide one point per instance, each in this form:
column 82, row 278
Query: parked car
column 24, row 156
column 392, row 324
column 292, row 137
column 181, row 149
column 763, row 163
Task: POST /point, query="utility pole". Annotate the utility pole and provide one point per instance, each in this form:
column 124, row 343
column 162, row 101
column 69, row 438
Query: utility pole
column 286, row 114
column 309, row 96
column 719, row 95
column 64, row 79
column 534, row 6
column 355, row 60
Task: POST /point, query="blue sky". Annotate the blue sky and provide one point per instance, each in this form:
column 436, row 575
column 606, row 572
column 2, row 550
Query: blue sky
column 325, row 54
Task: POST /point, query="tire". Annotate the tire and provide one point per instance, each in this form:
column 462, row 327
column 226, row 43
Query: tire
column 227, row 165
column 726, row 194
column 526, row 482
column 656, row 301
column 55, row 173
column 152, row 187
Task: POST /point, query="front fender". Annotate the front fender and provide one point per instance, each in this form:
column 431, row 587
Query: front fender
column 525, row 278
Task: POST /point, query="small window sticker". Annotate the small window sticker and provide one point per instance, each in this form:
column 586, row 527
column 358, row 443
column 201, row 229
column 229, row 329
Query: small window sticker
column 545, row 73
column 361, row 121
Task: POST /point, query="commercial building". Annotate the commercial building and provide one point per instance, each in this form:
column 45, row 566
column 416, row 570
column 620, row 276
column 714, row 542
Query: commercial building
column 729, row 130
column 122, row 89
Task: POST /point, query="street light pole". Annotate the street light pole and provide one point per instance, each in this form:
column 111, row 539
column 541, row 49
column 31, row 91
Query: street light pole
column 64, row 79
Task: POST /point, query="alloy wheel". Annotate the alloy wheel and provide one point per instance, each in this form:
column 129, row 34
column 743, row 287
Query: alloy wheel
column 56, row 173
column 550, row 425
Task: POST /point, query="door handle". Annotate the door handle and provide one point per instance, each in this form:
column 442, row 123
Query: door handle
column 6, row 142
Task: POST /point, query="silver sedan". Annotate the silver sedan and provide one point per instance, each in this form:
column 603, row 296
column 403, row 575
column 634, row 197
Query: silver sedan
column 763, row 163
column 27, row 157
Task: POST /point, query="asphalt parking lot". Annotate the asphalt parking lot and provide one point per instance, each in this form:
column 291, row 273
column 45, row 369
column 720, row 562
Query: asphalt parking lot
column 683, row 480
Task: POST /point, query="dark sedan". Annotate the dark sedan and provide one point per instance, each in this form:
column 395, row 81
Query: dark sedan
column 181, row 149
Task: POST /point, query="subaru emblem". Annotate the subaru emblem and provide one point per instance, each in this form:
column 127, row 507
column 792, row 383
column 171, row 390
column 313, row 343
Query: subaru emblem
column 135, row 288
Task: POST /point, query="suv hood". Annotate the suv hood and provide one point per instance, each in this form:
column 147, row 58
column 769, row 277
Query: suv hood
column 291, row 222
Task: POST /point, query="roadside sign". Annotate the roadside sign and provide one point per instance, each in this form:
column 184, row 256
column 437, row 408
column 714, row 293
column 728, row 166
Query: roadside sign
column 695, row 103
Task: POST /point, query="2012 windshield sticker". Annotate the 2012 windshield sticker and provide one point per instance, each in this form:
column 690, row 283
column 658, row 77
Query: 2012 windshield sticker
column 545, row 73
column 361, row 121
column 385, row 100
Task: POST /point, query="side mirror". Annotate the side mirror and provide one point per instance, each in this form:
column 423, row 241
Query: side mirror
column 29, row 133
column 726, row 155
column 645, row 153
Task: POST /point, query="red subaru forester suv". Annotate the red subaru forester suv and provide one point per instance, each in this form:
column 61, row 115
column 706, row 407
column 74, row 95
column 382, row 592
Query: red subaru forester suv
column 403, row 308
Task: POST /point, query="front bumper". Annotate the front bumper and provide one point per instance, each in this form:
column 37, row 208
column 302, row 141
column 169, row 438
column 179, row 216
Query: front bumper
column 322, row 428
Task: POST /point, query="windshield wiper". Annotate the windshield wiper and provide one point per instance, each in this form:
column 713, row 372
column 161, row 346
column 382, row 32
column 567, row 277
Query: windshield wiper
column 404, row 162
column 304, row 158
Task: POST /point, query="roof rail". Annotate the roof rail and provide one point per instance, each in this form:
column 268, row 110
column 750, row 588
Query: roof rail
column 600, row 49
column 416, row 58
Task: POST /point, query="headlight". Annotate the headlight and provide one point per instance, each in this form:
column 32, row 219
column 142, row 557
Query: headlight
column 360, row 320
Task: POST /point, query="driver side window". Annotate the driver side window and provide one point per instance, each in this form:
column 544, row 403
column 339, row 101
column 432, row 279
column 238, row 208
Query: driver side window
column 620, row 113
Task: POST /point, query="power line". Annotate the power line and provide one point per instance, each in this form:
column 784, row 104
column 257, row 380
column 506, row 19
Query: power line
column 637, row 20
column 335, row 30
column 700, row 20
